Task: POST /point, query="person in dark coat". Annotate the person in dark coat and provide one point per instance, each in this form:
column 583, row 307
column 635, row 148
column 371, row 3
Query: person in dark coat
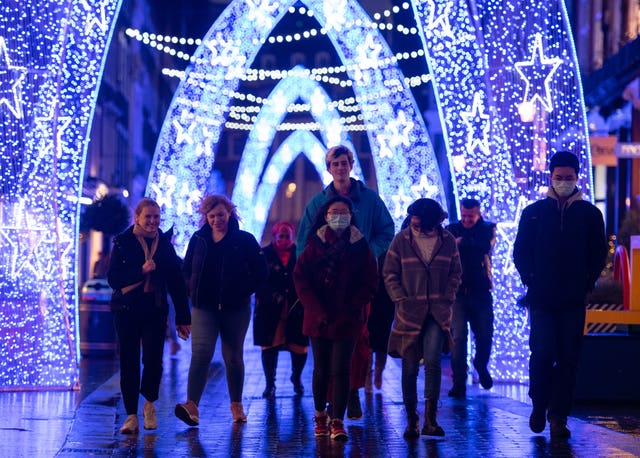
column 559, row 251
column 474, row 303
column 379, row 327
column 143, row 267
column 223, row 267
column 277, row 316
column 335, row 277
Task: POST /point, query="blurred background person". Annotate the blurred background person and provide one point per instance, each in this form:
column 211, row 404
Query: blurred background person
column 277, row 316
column 474, row 303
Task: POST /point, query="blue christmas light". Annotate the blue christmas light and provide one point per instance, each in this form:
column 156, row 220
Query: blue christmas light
column 51, row 60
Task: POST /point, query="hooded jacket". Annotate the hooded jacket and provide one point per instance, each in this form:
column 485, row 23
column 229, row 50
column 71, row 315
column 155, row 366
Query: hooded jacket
column 560, row 251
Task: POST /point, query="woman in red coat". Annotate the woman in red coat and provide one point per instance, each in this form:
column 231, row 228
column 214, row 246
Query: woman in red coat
column 335, row 277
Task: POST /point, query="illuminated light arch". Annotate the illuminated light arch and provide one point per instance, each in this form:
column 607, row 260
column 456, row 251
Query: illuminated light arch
column 511, row 65
column 400, row 146
column 300, row 141
column 250, row 177
column 55, row 60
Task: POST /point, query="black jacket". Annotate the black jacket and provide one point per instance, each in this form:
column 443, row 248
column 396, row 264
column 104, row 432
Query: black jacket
column 560, row 252
column 271, row 296
column 475, row 254
column 125, row 268
column 239, row 271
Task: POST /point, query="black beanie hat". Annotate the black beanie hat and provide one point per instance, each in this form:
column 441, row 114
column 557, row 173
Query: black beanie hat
column 564, row 159
column 429, row 211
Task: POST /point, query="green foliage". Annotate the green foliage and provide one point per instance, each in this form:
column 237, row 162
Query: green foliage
column 630, row 226
column 109, row 215
column 606, row 291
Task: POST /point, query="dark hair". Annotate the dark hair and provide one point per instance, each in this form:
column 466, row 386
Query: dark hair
column 430, row 213
column 322, row 212
column 564, row 159
column 469, row 203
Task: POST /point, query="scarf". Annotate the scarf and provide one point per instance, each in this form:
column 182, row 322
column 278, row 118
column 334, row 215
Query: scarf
column 141, row 234
column 330, row 260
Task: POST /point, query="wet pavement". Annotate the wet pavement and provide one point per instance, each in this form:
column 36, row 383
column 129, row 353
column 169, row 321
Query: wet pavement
column 490, row 423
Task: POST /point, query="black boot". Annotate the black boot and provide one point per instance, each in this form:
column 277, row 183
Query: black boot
column 269, row 364
column 298, row 360
column 412, row 431
column 431, row 426
column 354, row 409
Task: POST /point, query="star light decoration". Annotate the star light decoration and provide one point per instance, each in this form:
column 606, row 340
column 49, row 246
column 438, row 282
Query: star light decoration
column 478, row 124
column 537, row 72
column 50, row 68
column 11, row 77
column 385, row 101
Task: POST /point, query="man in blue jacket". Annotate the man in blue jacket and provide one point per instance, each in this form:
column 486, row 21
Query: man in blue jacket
column 560, row 251
column 372, row 218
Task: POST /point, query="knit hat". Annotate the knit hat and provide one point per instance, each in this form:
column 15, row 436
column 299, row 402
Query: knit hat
column 429, row 211
column 564, row 159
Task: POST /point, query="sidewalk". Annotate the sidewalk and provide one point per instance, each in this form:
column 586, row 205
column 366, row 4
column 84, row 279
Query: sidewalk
column 489, row 423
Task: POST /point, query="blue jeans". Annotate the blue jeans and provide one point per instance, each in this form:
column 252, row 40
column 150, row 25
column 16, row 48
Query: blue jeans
column 477, row 310
column 555, row 342
column 206, row 325
column 432, row 341
column 331, row 361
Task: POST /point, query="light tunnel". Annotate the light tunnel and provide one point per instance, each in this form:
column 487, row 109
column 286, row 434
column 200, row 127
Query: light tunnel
column 505, row 77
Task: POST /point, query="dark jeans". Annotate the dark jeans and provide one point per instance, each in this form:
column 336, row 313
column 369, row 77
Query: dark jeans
column 144, row 323
column 432, row 340
column 331, row 360
column 477, row 310
column 206, row 325
column 555, row 342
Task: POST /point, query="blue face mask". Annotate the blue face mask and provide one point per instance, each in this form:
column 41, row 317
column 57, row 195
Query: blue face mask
column 339, row 222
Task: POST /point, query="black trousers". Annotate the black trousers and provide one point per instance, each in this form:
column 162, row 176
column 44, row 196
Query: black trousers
column 555, row 342
column 143, row 324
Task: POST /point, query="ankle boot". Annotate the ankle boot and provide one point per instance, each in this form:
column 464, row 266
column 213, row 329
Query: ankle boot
column 269, row 364
column 368, row 385
column 412, row 430
column 381, row 362
column 431, row 426
column 298, row 360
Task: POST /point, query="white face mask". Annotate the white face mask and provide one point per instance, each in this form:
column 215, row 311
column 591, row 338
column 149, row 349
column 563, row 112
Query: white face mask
column 339, row 222
column 563, row 188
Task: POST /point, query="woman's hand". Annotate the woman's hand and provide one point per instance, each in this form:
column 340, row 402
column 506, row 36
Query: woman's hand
column 184, row 330
column 148, row 266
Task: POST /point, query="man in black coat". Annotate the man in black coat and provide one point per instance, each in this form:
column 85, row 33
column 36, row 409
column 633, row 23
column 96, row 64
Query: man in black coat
column 560, row 251
column 474, row 304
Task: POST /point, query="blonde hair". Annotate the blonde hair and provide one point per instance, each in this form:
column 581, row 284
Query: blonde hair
column 210, row 201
